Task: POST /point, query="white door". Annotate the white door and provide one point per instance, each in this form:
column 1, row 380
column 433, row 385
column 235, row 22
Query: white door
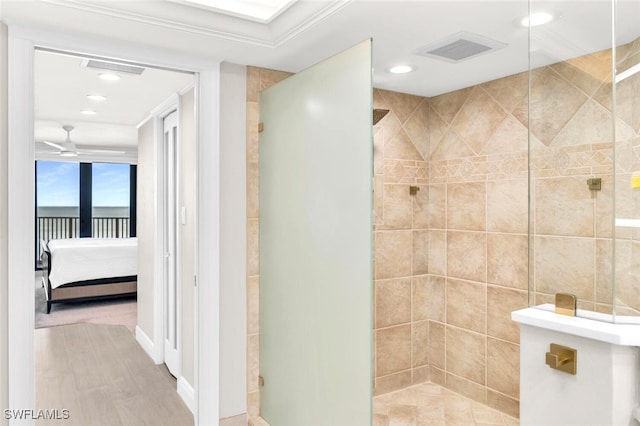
column 171, row 243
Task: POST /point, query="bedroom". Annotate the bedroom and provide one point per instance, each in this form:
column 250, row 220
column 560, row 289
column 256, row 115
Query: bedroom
column 98, row 171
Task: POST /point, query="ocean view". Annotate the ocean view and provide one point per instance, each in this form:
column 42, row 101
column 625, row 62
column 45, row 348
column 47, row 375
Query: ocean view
column 55, row 211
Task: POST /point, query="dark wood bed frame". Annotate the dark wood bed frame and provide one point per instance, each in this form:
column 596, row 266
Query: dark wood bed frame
column 81, row 291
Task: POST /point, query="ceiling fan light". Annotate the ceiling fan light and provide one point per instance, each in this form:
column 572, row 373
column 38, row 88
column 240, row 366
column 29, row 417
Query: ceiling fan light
column 68, row 154
column 97, row 98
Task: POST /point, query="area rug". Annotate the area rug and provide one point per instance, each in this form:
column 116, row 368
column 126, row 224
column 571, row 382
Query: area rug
column 122, row 311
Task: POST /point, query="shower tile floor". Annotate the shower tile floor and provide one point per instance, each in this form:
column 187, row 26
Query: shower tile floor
column 430, row 404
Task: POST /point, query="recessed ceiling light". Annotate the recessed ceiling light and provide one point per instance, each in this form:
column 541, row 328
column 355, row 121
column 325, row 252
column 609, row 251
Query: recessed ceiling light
column 401, row 69
column 108, row 76
column 536, row 19
column 87, row 112
column 98, row 98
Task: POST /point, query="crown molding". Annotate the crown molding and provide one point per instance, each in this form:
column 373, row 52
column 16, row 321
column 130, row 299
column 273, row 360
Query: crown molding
column 289, row 24
column 308, row 22
column 157, row 21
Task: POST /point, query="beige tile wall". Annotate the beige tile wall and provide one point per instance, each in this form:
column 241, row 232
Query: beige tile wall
column 401, row 242
column 477, row 230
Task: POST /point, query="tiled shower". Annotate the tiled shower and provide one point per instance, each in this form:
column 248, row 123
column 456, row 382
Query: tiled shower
column 451, row 260
column 466, row 231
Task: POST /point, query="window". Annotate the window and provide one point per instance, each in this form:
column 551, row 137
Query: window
column 75, row 200
column 110, row 197
column 57, row 199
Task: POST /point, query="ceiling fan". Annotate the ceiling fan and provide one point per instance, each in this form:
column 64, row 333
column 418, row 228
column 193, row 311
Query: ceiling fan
column 69, row 149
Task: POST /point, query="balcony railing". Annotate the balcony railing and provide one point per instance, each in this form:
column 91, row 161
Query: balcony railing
column 48, row 228
column 110, row 227
column 57, row 227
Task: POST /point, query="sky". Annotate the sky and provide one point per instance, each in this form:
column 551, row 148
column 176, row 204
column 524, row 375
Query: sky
column 110, row 185
column 59, row 184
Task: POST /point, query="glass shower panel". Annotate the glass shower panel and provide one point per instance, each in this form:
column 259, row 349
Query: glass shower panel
column 571, row 136
column 627, row 160
column 316, row 244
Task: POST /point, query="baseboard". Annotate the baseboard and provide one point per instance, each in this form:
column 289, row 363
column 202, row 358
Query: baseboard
column 186, row 392
column 147, row 344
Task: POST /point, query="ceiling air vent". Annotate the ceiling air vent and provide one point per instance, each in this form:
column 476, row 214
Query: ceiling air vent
column 112, row 66
column 459, row 47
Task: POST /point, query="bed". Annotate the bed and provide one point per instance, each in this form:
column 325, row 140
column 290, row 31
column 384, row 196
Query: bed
column 80, row 269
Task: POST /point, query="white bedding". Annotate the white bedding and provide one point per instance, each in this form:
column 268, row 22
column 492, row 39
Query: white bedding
column 83, row 259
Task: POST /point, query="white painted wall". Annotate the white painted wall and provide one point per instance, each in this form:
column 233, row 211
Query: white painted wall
column 146, row 227
column 4, row 398
column 20, row 230
column 233, row 237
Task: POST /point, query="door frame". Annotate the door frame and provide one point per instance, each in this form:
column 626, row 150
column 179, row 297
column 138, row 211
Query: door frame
column 21, row 357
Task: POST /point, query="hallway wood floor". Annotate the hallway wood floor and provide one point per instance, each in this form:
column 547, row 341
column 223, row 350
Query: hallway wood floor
column 102, row 376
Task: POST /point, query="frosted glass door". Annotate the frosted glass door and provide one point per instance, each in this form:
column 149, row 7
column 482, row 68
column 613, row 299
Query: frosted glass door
column 316, row 244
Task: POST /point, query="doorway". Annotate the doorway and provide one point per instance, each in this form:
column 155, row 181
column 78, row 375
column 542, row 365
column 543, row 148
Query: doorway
column 104, row 146
column 21, row 209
